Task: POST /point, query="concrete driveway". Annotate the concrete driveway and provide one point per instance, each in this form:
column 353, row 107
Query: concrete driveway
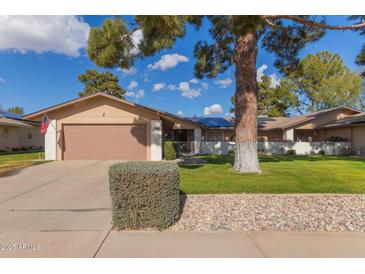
column 57, row 198
column 62, row 209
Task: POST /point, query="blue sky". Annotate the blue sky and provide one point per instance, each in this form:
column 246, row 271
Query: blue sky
column 39, row 66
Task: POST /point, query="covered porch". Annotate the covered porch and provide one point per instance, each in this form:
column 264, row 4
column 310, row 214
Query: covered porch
column 186, row 136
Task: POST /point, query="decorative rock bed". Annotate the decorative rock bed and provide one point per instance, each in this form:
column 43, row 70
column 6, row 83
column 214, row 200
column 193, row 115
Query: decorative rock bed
column 272, row 213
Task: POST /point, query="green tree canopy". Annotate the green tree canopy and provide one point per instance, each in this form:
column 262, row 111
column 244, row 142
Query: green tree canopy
column 274, row 101
column 105, row 82
column 323, row 81
column 16, row 110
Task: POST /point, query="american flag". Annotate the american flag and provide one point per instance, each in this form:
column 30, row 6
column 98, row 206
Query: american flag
column 44, row 124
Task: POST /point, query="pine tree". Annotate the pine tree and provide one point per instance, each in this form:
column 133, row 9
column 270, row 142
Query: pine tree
column 323, row 81
column 235, row 43
column 105, row 82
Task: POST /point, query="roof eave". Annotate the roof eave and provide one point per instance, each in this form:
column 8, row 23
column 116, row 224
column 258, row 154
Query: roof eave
column 73, row 101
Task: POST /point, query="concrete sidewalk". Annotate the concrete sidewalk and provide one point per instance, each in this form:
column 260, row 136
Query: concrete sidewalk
column 105, row 243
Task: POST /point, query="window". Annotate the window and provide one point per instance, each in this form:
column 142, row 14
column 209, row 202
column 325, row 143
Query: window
column 214, row 136
column 5, row 133
column 168, row 135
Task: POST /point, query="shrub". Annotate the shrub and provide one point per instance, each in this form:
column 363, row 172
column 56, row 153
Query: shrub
column 321, row 152
column 24, row 148
column 40, row 148
column 291, row 152
column 15, row 149
column 144, row 194
column 336, row 139
column 169, row 150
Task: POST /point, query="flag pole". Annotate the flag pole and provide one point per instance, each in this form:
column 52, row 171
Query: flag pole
column 50, row 121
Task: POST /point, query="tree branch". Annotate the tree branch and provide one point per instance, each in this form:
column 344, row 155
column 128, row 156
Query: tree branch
column 132, row 31
column 273, row 25
column 313, row 23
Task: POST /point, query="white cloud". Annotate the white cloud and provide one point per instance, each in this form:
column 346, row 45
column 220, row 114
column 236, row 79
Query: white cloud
column 130, row 71
column 205, row 85
column 261, row 71
column 171, row 87
column 137, row 95
column 59, row 34
column 158, row 86
column 224, row 83
column 213, row 109
column 2, row 81
column 186, row 90
column 168, row 61
column 194, row 81
column 140, row 94
column 191, row 93
column 180, row 113
column 132, row 85
column 137, row 37
column 274, row 80
column 184, row 86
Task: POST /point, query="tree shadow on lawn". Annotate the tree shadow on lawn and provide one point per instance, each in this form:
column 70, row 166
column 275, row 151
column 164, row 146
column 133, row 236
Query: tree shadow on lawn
column 309, row 158
column 229, row 159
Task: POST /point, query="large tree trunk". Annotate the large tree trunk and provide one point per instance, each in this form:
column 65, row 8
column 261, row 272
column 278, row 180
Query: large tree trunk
column 246, row 159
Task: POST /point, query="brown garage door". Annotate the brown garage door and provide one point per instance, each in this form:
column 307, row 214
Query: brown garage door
column 104, row 142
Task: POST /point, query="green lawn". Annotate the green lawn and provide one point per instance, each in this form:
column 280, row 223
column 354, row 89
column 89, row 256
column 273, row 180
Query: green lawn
column 280, row 174
column 10, row 162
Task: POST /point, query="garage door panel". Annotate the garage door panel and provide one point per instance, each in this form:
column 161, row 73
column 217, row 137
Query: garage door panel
column 104, row 142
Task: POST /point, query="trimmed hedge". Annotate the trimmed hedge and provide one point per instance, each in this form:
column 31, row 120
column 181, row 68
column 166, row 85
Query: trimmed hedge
column 291, row 152
column 169, row 150
column 144, row 194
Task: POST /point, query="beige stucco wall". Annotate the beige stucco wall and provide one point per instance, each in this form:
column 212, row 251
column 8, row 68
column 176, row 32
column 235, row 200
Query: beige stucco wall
column 11, row 137
column 102, row 110
column 271, row 135
column 344, row 132
column 184, row 125
column 358, row 139
column 8, row 137
column 301, row 135
column 36, row 139
column 229, row 135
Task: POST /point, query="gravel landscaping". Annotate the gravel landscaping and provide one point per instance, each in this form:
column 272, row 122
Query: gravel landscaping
column 272, row 213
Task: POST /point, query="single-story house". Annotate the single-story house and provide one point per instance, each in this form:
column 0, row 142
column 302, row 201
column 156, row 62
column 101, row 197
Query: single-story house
column 16, row 132
column 101, row 126
column 104, row 127
column 317, row 126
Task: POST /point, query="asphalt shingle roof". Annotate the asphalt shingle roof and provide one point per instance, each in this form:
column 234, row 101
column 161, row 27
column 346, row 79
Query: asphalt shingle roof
column 353, row 119
column 13, row 122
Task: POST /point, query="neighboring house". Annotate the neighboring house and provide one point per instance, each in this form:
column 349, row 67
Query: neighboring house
column 16, row 132
column 104, row 127
column 317, row 126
